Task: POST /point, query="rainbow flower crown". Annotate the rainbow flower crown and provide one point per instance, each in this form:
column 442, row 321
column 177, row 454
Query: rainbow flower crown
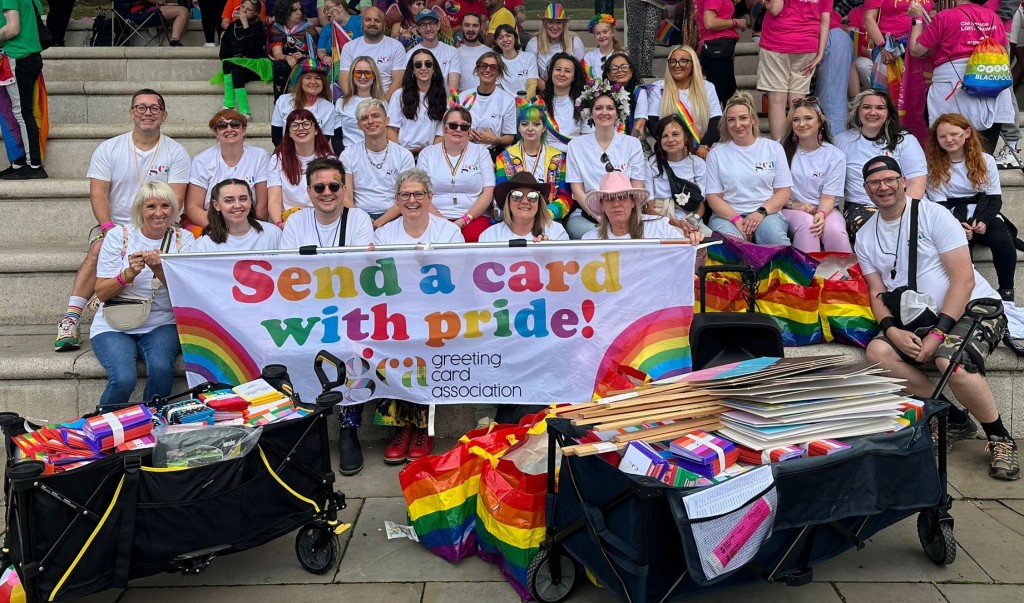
column 610, row 20
column 600, row 87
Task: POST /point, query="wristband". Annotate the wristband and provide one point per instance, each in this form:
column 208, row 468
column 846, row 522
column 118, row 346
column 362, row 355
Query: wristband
column 945, row 323
column 107, row 226
column 736, row 218
column 937, row 334
column 120, row 279
column 466, row 218
column 279, row 224
column 887, row 322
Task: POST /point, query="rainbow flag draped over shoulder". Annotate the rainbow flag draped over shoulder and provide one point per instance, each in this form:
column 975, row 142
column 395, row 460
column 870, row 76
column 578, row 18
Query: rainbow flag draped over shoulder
column 691, row 126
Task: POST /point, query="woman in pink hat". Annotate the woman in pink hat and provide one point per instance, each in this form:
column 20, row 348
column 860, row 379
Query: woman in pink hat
column 617, row 204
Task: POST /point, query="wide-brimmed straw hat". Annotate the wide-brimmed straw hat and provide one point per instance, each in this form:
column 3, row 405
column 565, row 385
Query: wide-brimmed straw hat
column 518, row 181
column 613, row 183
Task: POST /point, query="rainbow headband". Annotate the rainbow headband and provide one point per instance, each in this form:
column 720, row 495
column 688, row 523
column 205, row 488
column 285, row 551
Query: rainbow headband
column 610, row 20
column 554, row 11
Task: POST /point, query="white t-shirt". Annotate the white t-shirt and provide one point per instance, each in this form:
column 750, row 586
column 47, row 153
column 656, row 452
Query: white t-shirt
column 373, row 188
column 517, row 71
column 882, row 244
column 251, row 241
column 820, row 172
column 657, row 90
column 501, row 232
column 111, row 264
column 323, row 109
column 691, row 168
column 594, row 61
column 446, row 55
column 209, row 168
column 747, row 176
column 960, row 187
column 654, row 228
column 583, row 163
column 302, row 228
column 292, row 195
column 859, row 150
column 564, row 111
column 495, row 111
column 346, row 112
column 577, row 51
column 118, row 161
column 473, row 173
column 438, row 231
column 643, row 104
column 468, row 56
column 412, row 133
column 388, row 53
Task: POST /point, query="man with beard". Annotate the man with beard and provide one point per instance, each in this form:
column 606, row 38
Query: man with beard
column 388, row 53
column 470, row 49
column 946, row 275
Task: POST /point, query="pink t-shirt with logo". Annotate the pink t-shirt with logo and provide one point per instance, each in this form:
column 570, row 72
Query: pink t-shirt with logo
column 955, row 32
column 725, row 10
column 892, row 15
column 796, row 29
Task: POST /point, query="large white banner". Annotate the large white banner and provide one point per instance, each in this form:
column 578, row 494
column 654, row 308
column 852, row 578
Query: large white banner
column 537, row 324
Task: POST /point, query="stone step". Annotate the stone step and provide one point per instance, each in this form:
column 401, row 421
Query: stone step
column 107, row 102
column 70, row 146
column 130, row 63
column 42, row 384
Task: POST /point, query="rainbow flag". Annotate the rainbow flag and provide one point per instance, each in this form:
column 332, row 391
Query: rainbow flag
column 339, row 37
column 664, row 33
column 11, row 131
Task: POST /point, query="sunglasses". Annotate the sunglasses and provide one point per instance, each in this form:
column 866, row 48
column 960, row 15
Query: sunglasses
column 810, row 101
column 362, row 73
column 458, row 126
column 423, row 64
column 301, row 125
column 224, row 125
column 607, row 163
column 319, row 187
column 487, row 67
column 518, row 196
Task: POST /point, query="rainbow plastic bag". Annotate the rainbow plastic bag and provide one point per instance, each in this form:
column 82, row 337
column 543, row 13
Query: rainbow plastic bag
column 11, row 590
column 510, row 507
column 440, row 490
column 845, row 307
column 988, row 70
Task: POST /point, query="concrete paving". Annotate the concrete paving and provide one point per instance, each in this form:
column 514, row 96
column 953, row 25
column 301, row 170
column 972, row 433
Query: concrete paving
column 989, row 530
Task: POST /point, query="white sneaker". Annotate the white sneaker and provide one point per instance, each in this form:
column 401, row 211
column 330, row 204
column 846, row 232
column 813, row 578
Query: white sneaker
column 209, row 45
column 1007, row 159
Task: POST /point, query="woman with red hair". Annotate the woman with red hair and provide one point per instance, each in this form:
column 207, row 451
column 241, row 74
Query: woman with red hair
column 965, row 179
column 286, row 183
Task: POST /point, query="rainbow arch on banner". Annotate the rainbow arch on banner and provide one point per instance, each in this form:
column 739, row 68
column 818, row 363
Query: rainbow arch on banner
column 210, row 351
column 655, row 346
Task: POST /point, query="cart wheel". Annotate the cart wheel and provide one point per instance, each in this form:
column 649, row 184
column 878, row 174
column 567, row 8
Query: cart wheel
column 542, row 585
column 317, row 549
column 936, row 538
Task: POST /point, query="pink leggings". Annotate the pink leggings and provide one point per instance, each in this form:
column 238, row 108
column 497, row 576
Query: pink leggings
column 834, row 238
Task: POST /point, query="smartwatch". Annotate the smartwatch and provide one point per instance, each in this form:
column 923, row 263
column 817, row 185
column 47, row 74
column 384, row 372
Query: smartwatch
column 761, row 210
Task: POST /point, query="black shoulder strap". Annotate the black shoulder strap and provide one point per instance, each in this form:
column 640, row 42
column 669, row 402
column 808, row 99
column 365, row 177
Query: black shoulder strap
column 912, row 259
column 344, row 225
column 165, row 245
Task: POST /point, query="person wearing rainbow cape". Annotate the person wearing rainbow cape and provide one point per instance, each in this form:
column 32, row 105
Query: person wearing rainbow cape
column 532, row 154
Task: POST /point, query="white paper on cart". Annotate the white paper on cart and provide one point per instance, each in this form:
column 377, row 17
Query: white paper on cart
column 730, row 541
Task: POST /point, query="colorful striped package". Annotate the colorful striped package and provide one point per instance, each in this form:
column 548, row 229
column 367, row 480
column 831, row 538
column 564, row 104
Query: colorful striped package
column 441, row 492
column 510, row 508
column 703, row 453
column 105, row 431
column 770, row 455
column 825, row 447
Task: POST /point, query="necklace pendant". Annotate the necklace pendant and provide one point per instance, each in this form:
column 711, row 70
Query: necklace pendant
column 455, row 200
